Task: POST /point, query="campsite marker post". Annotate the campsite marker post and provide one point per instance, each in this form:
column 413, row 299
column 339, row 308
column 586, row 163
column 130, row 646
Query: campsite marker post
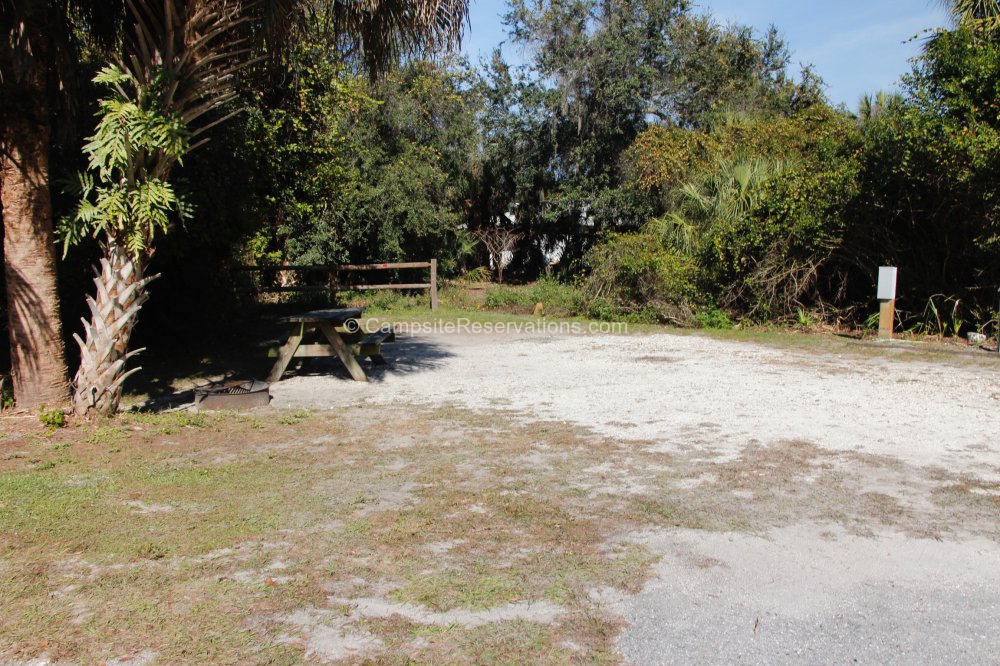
column 887, row 301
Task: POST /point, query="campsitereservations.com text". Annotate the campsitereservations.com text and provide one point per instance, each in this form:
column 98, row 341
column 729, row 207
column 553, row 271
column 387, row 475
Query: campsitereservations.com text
column 467, row 326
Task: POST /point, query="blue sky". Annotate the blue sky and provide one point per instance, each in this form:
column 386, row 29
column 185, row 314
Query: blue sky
column 857, row 46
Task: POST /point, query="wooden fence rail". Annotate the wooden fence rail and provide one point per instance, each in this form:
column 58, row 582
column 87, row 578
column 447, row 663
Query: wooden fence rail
column 334, row 285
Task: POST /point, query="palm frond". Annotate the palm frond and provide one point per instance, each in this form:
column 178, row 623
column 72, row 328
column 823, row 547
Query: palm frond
column 980, row 15
column 380, row 32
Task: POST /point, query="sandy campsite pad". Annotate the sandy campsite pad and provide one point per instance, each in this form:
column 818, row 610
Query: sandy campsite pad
column 841, row 456
column 815, row 595
column 679, row 391
column 516, row 499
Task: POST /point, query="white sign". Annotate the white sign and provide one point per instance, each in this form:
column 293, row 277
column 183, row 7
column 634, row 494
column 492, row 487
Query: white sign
column 886, row 283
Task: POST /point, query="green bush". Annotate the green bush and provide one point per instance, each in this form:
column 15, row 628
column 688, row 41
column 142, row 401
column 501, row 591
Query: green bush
column 714, row 318
column 556, row 297
column 603, row 310
column 634, row 276
column 387, row 300
column 501, row 296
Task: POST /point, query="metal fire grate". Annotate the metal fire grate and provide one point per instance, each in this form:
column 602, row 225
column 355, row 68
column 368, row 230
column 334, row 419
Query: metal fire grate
column 232, row 394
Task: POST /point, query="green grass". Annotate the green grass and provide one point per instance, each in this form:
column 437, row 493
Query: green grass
column 556, row 298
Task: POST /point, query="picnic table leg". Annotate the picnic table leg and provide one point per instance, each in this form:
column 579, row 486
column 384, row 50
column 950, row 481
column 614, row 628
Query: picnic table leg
column 344, row 352
column 286, row 353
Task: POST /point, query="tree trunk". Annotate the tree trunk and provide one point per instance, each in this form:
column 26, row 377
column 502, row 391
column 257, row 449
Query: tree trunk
column 121, row 292
column 37, row 353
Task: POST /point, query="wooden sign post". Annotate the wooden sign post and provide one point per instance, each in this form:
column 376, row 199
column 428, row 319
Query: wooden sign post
column 887, row 301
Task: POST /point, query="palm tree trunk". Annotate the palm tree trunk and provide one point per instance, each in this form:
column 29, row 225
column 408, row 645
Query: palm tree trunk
column 37, row 353
column 121, row 292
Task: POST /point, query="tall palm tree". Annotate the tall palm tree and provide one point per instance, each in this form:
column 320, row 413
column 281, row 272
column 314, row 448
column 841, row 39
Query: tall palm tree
column 38, row 53
column 37, row 57
column 179, row 63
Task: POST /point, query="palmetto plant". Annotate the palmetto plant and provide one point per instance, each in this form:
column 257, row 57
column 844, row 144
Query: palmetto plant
column 178, row 65
column 717, row 200
column 126, row 202
column 175, row 74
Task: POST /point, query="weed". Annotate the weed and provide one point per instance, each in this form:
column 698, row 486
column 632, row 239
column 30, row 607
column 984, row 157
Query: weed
column 166, row 423
column 947, row 323
column 376, row 302
column 501, row 296
column 474, row 589
column 148, row 550
column 804, row 319
column 559, row 299
column 107, row 436
column 358, row 528
column 297, row 416
column 53, row 419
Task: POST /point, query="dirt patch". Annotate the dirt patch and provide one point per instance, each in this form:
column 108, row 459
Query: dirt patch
column 542, row 612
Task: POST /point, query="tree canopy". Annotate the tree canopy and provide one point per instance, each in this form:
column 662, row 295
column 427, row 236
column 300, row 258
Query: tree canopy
column 666, row 165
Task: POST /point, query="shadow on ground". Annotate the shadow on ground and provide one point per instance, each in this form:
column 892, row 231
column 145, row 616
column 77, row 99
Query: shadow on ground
column 169, row 375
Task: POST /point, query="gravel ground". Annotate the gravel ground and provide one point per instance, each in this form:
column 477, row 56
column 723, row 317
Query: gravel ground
column 806, row 596
column 671, row 388
column 801, row 593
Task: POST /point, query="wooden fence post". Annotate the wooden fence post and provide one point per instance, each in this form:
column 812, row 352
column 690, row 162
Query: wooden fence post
column 434, row 284
column 334, row 284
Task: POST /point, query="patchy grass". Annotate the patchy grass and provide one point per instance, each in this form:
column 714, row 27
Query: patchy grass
column 290, row 537
column 198, row 537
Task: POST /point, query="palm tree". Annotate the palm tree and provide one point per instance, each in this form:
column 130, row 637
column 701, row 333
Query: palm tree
column 177, row 69
column 977, row 13
column 874, row 106
column 715, row 201
column 38, row 52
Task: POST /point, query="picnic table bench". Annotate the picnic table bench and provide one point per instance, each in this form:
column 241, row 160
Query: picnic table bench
column 343, row 335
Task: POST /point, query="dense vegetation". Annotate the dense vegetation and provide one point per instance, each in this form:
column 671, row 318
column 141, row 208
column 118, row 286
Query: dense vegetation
column 671, row 168
column 661, row 165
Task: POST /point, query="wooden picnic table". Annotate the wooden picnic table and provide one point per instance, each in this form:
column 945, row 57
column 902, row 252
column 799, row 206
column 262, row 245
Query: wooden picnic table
column 343, row 335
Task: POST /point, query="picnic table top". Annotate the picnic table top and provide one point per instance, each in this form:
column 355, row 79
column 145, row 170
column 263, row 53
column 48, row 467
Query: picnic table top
column 333, row 316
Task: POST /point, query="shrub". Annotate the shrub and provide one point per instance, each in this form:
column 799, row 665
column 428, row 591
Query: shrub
column 557, row 297
column 714, row 318
column 635, row 276
column 506, row 297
